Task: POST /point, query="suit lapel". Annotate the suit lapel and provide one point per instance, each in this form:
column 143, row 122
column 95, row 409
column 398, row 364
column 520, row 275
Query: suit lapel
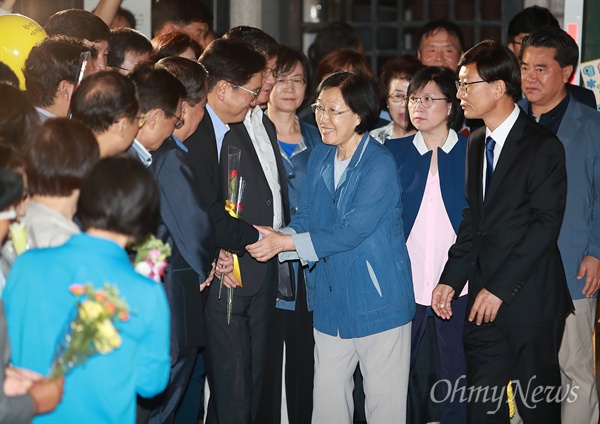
column 509, row 151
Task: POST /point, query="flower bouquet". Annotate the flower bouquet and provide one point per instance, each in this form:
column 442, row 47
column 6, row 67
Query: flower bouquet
column 92, row 329
column 234, row 206
column 151, row 258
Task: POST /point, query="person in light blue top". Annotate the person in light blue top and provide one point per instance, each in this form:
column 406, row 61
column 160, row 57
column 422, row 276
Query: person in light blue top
column 293, row 321
column 349, row 228
column 118, row 205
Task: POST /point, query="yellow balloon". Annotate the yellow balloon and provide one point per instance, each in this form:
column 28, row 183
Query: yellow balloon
column 18, row 34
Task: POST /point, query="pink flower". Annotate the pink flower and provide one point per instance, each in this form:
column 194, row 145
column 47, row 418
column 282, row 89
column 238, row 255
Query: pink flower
column 153, row 255
column 100, row 296
column 157, row 270
column 110, row 307
column 124, row 316
column 77, row 289
column 233, row 174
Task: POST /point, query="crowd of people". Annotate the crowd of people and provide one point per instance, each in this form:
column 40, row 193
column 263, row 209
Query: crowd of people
column 424, row 250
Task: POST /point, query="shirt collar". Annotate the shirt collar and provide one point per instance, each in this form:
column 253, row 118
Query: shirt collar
column 144, row 155
column 219, row 126
column 179, row 143
column 499, row 134
column 45, row 112
column 422, row 148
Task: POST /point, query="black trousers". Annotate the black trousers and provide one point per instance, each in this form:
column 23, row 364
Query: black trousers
column 236, row 353
column 527, row 355
column 295, row 329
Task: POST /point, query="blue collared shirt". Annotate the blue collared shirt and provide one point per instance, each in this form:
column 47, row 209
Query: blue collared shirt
column 220, row 128
column 179, row 143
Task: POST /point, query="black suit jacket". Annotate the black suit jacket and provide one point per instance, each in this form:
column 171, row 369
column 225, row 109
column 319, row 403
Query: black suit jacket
column 185, row 225
column 231, row 234
column 507, row 244
column 258, row 199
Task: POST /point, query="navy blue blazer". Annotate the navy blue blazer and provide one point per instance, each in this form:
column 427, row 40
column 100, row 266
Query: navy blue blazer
column 186, row 226
column 414, row 169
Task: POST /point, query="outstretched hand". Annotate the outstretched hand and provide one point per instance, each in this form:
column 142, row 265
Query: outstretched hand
column 441, row 300
column 271, row 244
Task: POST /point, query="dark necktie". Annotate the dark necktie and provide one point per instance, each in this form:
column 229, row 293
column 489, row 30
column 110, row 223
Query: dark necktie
column 489, row 158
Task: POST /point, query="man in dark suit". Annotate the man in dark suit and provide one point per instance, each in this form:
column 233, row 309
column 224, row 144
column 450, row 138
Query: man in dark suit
column 506, row 247
column 237, row 350
column 235, row 77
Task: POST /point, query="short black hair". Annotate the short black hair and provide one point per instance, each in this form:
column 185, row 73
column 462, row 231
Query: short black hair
column 11, row 187
column 495, row 62
column 401, row 67
column 119, row 195
column 451, row 28
column 191, row 74
column 359, row 94
column 181, row 12
column 54, row 60
column 18, row 120
column 103, row 98
column 157, row 88
column 257, row 38
column 8, row 76
column 123, row 40
column 59, row 156
column 529, row 18
column 231, row 60
column 565, row 48
column 445, row 79
column 78, row 23
column 287, row 58
column 336, row 35
column 173, row 44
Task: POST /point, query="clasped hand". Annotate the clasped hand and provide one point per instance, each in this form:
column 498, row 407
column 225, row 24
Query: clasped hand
column 271, row 244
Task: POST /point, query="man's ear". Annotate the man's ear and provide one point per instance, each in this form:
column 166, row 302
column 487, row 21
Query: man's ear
column 567, row 71
column 152, row 117
column 65, row 90
column 499, row 88
column 185, row 106
column 221, row 88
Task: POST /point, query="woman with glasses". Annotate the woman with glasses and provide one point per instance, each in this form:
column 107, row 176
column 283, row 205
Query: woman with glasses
column 292, row 325
column 431, row 164
column 393, row 83
column 349, row 229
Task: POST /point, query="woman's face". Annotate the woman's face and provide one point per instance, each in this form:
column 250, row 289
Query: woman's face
column 288, row 93
column 434, row 117
column 397, row 109
column 336, row 121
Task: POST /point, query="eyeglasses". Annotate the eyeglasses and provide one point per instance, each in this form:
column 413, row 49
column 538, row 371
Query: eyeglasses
column 267, row 72
column 464, row 86
column 296, row 82
column 426, row 101
column 332, row 113
column 180, row 122
column 118, row 67
column 397, row 98
column 254, row 93
column 141, row 119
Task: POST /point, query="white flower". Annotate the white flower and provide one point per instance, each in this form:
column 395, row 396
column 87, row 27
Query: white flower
column 143, row 268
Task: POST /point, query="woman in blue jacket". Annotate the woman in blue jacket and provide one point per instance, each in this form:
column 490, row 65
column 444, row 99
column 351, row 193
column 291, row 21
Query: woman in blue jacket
column 349, row 228
column 432, row 170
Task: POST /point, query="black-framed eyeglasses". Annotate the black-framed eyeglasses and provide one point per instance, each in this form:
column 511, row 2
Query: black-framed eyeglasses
column 247, row 90
column 397, row 98
column 332, row 113
column 426, row 101
column 296, row 82
column 118, row 67
column 180, row 122
column 464, row 86
column 267, row 72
